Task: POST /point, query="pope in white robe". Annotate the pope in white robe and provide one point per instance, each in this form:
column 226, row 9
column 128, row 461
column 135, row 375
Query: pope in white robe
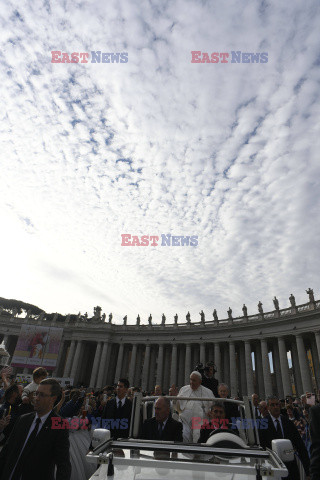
column 193, row 408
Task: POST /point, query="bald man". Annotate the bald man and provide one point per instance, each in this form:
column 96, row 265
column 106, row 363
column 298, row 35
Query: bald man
column 191, row 408
column 162, row 426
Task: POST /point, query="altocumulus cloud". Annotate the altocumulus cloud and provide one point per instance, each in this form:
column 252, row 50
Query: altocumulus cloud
column 227, row 152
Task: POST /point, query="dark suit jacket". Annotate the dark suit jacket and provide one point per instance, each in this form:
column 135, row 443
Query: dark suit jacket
column 171, row 432
column 111, row 412
column 50, row 449
column 291, row 433
column 314, row 418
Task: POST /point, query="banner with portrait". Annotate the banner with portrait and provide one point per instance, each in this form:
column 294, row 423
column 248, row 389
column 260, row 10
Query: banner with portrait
column 37, row 346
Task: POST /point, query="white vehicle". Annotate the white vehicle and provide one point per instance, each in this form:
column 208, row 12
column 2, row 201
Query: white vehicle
column 225, row 455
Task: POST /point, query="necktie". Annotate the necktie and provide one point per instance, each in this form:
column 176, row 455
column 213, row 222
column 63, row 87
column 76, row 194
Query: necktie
column 25, row 452
column 160, row 429
column 257, row 412
column 278, row 429
column 119, row 404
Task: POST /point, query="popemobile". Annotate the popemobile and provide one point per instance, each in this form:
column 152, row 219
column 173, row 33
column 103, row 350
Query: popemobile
column 225, row 455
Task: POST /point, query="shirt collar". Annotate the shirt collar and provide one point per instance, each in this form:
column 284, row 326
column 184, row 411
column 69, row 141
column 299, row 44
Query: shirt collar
column 43, row 418
column 122, row 400
column 274, row 419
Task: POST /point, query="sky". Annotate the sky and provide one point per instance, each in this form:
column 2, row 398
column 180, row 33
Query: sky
column 227, row 152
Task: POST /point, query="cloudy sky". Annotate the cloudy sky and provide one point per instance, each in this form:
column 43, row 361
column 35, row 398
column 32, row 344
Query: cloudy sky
column 159, row 145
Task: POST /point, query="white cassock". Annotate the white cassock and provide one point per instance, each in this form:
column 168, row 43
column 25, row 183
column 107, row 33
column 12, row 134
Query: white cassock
column 193, row 408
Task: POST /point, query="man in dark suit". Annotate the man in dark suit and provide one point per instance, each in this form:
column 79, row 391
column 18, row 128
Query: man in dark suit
column 34, row 448
column 314, row 418
column 255, row 405
column 116, row 414
column 162, row 426
column 279, row 426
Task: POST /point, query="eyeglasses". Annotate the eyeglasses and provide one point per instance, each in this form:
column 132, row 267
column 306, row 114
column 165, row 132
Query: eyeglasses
column 41, row 394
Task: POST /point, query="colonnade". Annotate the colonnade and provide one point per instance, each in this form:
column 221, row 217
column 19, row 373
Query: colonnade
column 247, row 366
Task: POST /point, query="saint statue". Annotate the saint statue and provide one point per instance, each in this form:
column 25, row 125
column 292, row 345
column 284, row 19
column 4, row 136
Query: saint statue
column 150, row 319
column 138, row 320
column 110, row 317
column 202, row 316
column 260, row 308
column 163, row 319
column 176, row 319
column 245, row 310
column 125, row 320
column 276, row 303
column 230, row 313
column 310, row 293
column 188, row 317
column 292, row 300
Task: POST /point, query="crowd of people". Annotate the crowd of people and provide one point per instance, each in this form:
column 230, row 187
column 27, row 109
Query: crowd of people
column 29, row 417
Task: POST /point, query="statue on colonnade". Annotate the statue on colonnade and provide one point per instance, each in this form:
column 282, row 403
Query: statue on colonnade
column 310, row 293
column 292, row 301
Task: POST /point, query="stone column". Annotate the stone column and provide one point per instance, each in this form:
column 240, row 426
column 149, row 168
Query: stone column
column 203, row 353
column 226, row 364
column 166, row 368
column 233, row 370
column 249, row 368
column 217, row 361
column 132, row 364
column 259, row 370
column 180, row 379
column 160, row 366
column 277, row 369
column 151, row 380
column 317, row 337
column 296, row 368
column 266, row 368
column 60, row 354
column 119, row 363
column 75, row 363
column 67, row 367
column 187, row 369
column 304, row 365
column 95, row 366
column 285, row 374
column 173, row 376
column 102, row 366
column 145, row 369
column 243, row 374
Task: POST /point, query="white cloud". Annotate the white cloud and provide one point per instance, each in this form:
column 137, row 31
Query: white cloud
column 228, row 152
